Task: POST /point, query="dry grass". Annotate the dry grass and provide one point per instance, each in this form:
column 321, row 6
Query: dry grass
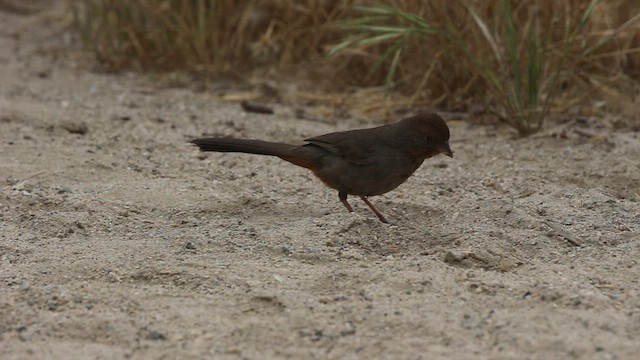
column 203, row 35
column 452, row 55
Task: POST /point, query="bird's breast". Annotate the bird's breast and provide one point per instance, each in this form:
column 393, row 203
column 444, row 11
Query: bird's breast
column 375, row 177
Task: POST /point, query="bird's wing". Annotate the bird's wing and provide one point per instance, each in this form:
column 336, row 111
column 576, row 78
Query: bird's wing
column 355, row 146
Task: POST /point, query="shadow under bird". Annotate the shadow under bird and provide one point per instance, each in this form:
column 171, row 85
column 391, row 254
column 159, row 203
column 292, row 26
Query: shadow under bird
column 363, row 162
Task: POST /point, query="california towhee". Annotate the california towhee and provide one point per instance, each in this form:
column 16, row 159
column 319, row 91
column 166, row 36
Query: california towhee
column 363, row 162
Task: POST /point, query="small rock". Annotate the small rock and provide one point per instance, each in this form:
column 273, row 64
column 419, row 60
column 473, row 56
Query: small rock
column 450, row 258
column 76, row 127
column 64, row 190
column 153, row 335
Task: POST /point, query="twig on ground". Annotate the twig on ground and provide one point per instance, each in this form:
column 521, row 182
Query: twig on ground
column 302, row 114
column 573, row 239
column 249, row 106
column 556, row 131
column 588, row 133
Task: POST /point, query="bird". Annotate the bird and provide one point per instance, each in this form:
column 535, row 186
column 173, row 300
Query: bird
column 361, row 162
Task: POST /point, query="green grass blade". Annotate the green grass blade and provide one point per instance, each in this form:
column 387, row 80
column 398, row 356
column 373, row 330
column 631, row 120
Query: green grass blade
column 378, row 39
column 345, row 44
column 393, row 68
column 392, row 50
column 382, row 10
column 533, row 75
column 486, row 33
column 381, row 29
column 511, row 37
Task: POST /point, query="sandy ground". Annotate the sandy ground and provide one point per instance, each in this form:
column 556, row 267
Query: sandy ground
column 119, row 240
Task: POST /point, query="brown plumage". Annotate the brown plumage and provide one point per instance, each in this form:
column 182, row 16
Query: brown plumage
column 362, row 162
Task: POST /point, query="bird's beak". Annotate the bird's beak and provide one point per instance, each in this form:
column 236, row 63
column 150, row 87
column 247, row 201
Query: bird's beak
column 445, row 149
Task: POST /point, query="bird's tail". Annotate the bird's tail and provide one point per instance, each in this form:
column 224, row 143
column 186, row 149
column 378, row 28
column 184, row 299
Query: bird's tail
column 244, row 146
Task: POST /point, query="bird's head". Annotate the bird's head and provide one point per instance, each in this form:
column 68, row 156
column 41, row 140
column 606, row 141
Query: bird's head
column 432, row 133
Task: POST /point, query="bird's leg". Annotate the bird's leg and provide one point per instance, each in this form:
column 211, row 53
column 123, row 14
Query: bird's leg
column 378, row 213
column 343, row 199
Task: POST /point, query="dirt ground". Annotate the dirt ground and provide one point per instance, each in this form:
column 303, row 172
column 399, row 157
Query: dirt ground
column 119, row 240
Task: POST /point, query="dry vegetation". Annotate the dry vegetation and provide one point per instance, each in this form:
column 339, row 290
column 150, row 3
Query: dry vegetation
column 518, row 60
